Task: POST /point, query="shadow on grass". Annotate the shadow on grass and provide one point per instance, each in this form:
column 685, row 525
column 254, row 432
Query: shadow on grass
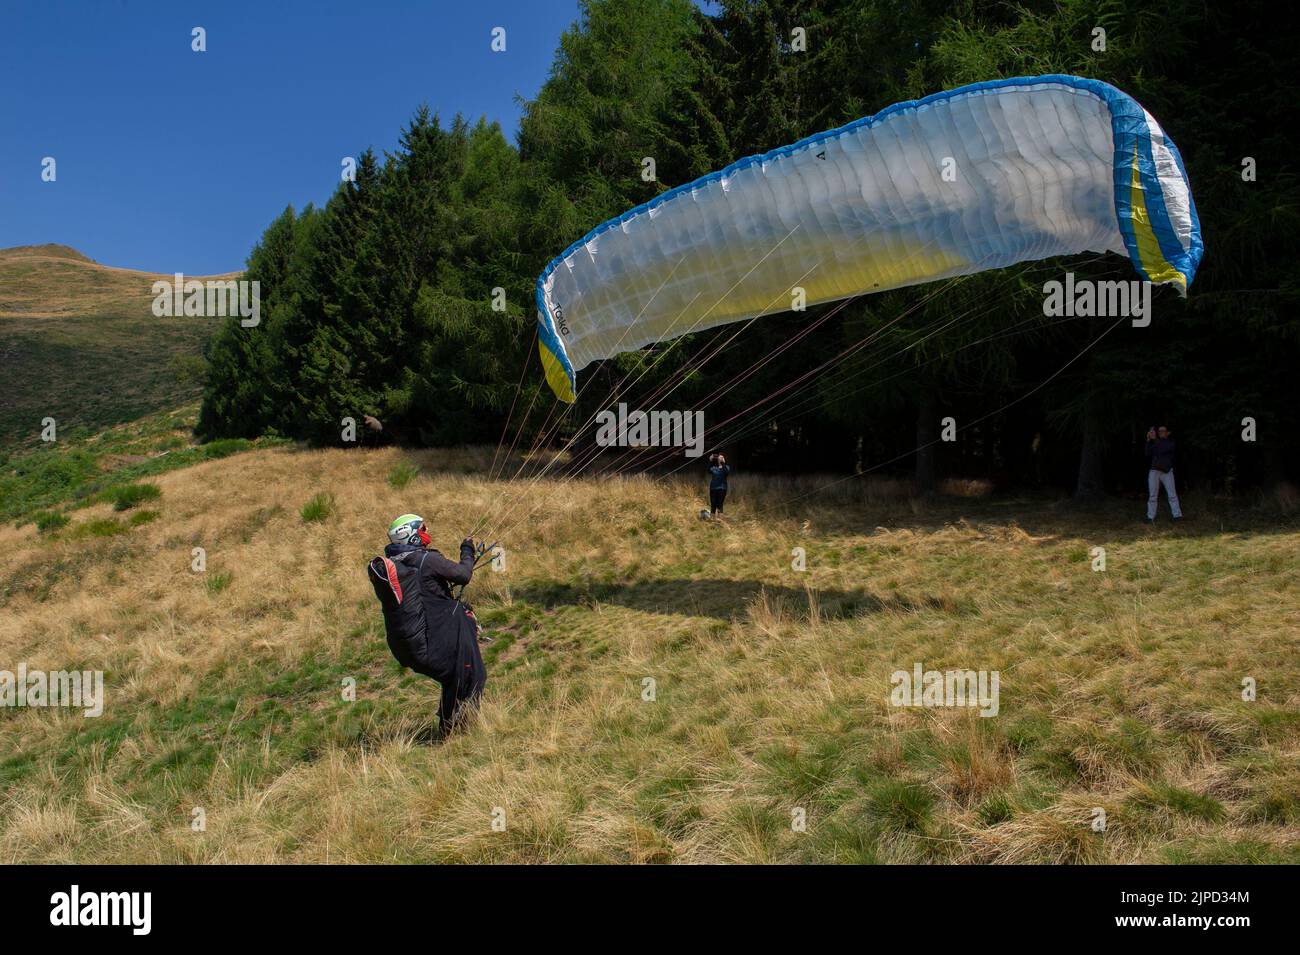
column 725, row 599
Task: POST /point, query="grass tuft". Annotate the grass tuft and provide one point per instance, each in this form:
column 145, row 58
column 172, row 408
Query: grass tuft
column 1172, row 800
column 318, row 509
column 402, row 474
column 224, row 447
column 127, row 496
column 99, row 527
column 902, row 806
column 216, row 581
column 47, row 522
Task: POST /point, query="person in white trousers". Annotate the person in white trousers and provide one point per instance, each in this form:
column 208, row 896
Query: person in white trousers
column 1160, row 470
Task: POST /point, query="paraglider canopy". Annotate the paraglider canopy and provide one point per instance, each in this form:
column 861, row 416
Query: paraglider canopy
column 976, row 178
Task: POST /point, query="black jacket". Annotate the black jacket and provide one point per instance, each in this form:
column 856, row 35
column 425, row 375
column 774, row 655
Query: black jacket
column 437, row 572
column 433, row 652
column 1160, row 454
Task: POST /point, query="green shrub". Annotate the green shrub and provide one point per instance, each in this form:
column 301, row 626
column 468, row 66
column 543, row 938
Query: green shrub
column 144, row 517
column 188, row 369
column 318, row 508
column 50, row 521
column 224, row 447
column 402, row 475
column 126, row 496
column 43, row 478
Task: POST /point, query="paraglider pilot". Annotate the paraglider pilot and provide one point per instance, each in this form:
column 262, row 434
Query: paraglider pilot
column 429, row 629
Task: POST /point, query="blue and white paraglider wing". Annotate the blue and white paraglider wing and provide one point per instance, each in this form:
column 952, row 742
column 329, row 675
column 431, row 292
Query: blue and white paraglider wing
column 976, row 178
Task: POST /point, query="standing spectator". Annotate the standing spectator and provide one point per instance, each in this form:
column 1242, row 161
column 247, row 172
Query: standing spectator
column 718, row 471
column 1160, row 470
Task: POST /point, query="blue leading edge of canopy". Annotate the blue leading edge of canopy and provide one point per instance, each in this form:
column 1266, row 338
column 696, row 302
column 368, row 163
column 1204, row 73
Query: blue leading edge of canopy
column 1128, row 125
column 1133, row 147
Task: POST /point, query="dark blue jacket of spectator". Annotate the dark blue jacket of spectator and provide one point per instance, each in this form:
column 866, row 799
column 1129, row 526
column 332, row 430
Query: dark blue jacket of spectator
column 1160, row 454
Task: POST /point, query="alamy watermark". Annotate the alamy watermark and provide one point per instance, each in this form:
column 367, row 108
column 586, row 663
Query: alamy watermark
column 77, row 689
column 130, row 909
column 951, row 688
column 215, row 298
column 653, row 429
column 1088, row 298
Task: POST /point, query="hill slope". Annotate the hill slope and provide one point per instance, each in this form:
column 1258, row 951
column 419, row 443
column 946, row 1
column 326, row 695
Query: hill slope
column 79, row 343
column 1121, row 690
column 48, row 250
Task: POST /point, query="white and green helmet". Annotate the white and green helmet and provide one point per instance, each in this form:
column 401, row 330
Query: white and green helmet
column 407, row 530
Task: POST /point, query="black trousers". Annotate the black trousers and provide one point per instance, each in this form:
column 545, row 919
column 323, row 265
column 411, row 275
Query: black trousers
column 716, row 497
column 462, row 683
column 450, row 655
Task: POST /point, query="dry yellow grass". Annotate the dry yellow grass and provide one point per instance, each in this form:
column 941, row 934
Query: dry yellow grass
column 1120, row 691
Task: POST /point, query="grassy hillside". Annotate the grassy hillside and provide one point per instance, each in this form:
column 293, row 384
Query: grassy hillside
column 54, row 479
column 1120, row 690
column 79, row 343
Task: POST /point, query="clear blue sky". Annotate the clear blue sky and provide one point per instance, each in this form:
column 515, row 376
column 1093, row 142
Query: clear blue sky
column 170, row 160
